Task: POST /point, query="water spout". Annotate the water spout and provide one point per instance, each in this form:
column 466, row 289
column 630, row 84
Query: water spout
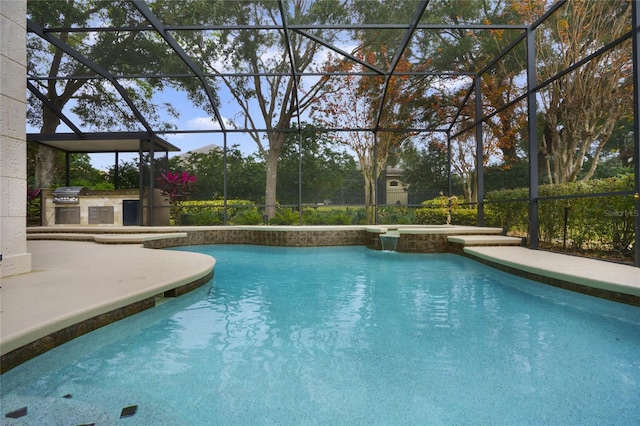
column 389, row 241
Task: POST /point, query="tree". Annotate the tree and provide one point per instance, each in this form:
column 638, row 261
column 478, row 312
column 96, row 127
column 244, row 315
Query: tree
column 620, row 143
column 472, row 50
column 94, row 101
column 229, row 53
column 245, row 175
column 426, row 168
column 81, row 172
column 468, row 50
column 582, row 108
column 353, row 102
column 323, row 168
column 128, row 175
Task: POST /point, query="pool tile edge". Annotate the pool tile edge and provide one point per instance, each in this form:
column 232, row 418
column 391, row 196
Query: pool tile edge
column 30, row 350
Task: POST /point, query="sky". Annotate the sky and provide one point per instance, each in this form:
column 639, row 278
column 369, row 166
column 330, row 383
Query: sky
column 194, row 118
column 191, row 118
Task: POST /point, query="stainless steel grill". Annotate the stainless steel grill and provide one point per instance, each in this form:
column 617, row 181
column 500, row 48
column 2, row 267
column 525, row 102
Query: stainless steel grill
column 69, row 194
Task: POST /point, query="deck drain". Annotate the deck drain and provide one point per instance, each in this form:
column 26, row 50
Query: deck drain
column 128, row 411
column 16, row 414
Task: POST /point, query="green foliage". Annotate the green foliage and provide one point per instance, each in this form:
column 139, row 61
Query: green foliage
column 210, row 213
column 128, row 175
column 245, row 175
column 436, row 211
column 285, row 216
column 516, row 175
column 100, row 186
column 314, row 216
column 604, row 223
column 426, row 167
column 247, row 216
column 96, row 102
column 396, row 215
column 34, row 203
column 509, row 208
column 81, row 173
column 438, row 216
column 324, row 167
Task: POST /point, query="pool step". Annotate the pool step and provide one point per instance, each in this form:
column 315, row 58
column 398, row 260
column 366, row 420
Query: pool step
column 105, row 238
column 485, row 240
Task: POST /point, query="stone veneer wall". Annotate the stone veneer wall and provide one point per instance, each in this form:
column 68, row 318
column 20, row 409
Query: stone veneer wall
column 275, row 237
column 13, row 146
column 407, row 243
column 419, row 242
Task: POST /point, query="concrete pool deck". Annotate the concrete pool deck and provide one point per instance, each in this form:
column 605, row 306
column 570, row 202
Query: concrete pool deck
column 72, row 282
column 562, row 270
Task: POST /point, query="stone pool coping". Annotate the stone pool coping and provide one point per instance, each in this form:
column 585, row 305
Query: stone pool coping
column 608, row 280
column 104, row 238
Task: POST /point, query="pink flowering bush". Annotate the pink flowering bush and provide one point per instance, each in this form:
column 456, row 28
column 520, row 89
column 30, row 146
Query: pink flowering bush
column 176, row 187
column 33, row 203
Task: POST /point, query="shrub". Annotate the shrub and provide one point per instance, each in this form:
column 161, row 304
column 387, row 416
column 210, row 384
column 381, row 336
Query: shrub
column 358, row 215
column 431, row 216
column 396, row 215
column 593, row 222
column 201, row 213
column 314, row 216
column 247, row 216
column 437, row 210
column 506, row 212
column 285, row 216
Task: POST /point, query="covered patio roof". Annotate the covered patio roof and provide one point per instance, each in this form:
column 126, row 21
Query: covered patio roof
column 103, row 142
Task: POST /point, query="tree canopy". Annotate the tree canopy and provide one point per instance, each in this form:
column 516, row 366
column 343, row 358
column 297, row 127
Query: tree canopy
column 407, row 67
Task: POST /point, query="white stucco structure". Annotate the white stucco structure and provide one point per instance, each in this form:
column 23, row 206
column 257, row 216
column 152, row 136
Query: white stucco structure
column 13, row 146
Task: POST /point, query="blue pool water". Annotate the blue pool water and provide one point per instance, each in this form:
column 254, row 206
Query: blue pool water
column 341, row 336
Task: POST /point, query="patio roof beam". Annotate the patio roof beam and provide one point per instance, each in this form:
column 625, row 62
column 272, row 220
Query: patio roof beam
column 548, row 81
column 504, row 51
column 294, row 69
column 53, row 108
column 306, row 130
column 295, row 77
column 422, row 5
column 159, row 27
column 348, row 55
column 557, row 5
column 442, row 74
column 460, row 107
column 295, row 27
column 604, row 49
column 36, row 28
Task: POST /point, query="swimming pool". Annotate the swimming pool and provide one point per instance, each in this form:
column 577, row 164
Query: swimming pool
column 346, row 335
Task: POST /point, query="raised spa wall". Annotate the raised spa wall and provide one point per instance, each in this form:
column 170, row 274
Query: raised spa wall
column 410, row 239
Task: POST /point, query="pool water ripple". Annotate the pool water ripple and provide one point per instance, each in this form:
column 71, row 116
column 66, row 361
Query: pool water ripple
column 346, row 335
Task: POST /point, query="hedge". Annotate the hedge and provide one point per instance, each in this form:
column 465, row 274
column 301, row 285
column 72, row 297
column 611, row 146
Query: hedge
column 201, row 213
column 435, row 212
column 437, row 216
column 605, row 223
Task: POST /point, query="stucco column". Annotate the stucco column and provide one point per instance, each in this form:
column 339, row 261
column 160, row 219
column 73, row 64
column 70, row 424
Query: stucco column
column 13, row 146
